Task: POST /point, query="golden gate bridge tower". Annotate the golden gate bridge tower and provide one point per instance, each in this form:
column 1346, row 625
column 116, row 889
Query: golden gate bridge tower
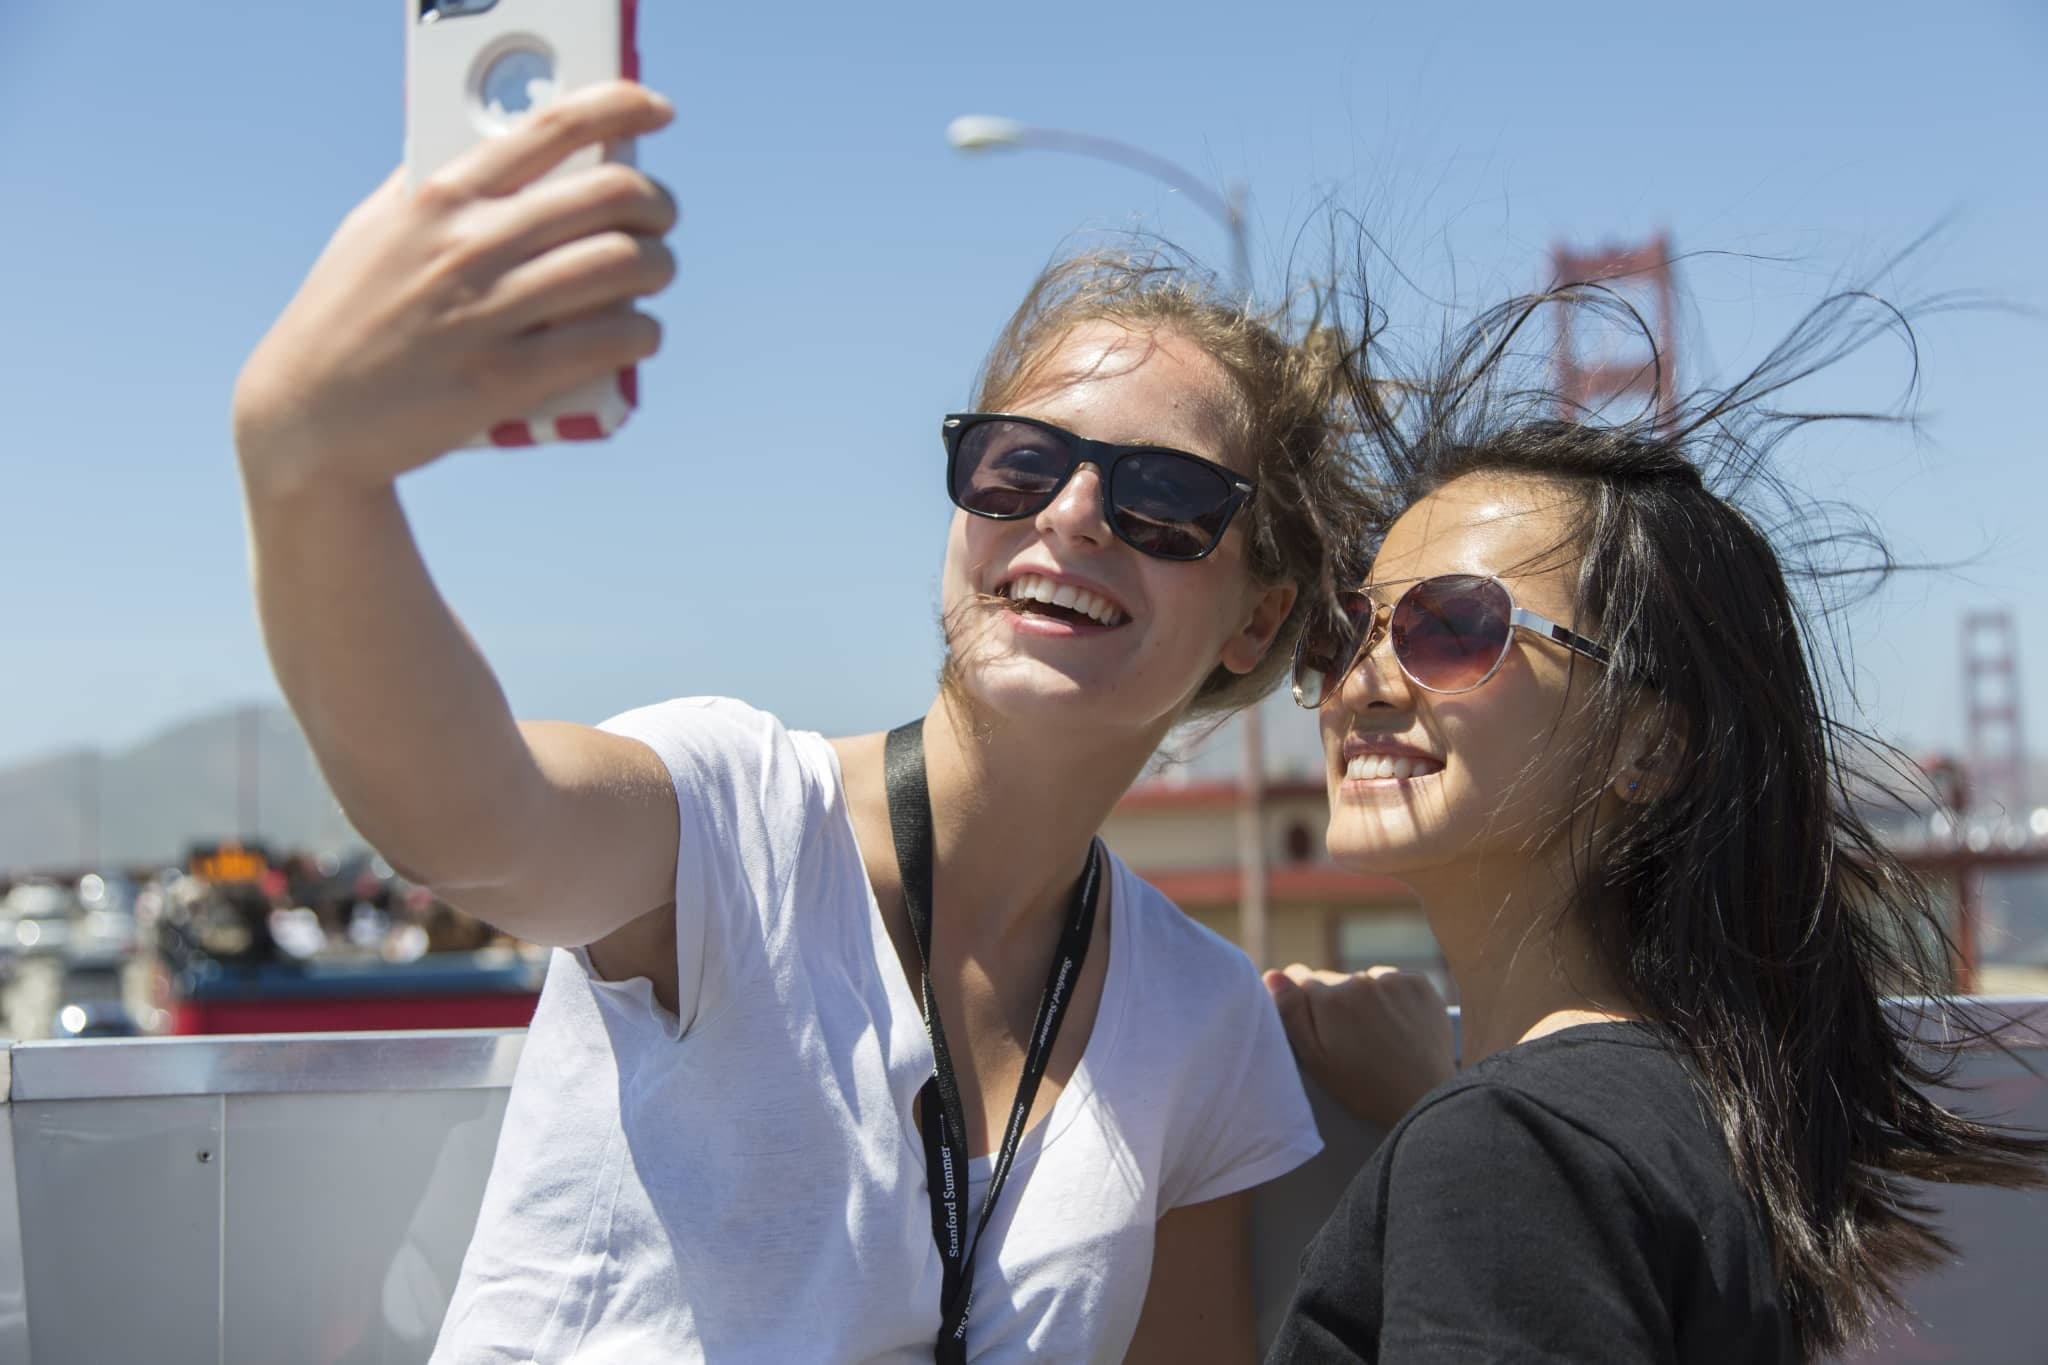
column 1992, row 710
column 1992, row 798
column 1586, row 375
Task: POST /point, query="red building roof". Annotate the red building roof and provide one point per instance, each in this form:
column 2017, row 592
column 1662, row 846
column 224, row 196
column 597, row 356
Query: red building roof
column 1204, row 887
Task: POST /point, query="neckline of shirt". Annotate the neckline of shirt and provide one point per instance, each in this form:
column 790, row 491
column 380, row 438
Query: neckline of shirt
column 906, row 1013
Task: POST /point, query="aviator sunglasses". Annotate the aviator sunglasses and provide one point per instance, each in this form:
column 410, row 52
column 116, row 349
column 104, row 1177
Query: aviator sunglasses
column 1161, row 502
column 1450, row 634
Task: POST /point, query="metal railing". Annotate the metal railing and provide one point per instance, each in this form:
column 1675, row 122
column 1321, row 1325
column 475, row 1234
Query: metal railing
column 309, row 1197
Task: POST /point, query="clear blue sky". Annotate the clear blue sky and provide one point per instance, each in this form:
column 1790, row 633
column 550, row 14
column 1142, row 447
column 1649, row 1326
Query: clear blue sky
column 770, row 525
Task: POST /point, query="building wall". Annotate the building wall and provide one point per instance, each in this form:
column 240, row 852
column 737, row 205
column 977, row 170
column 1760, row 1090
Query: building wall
column 1168, row 836
column 1294, row 933
column 1185, row 839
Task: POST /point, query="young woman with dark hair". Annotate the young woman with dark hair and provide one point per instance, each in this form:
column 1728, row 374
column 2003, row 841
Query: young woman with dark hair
column 859, row 1049
column 1578, row 706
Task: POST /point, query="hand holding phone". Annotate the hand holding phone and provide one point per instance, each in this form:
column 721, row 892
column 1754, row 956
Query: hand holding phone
column 490, row 287
column 474, row 69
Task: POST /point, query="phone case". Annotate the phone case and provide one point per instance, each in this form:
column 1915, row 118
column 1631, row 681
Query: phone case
column 469, row 70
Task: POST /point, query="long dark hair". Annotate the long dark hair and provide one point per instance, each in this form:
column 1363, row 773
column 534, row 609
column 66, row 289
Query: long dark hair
column 1751, row 911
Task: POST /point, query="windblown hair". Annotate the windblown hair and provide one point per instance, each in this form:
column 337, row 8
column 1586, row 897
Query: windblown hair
column 1286, row 377
column 1754, row 915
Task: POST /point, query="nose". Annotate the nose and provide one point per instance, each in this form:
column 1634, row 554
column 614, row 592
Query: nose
column 1076, row 511
column 1375, row 679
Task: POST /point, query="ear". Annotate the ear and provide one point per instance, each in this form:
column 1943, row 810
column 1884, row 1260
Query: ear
column 1243, row 650
column 1650, row 760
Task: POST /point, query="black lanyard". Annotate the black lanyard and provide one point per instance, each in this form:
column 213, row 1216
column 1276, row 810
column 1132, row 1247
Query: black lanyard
column 943, row 1121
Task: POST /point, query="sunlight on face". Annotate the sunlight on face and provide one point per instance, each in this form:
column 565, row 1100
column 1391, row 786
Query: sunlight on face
column 1107, row 383
column 1493, row 768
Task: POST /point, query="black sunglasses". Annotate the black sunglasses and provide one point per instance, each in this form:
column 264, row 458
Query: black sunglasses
column 1161, row 502
column 1450, row 634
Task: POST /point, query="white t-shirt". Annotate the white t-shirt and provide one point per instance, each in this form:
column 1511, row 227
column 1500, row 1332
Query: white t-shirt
column 742, row 1180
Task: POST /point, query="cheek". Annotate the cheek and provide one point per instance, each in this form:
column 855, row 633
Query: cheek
column 1515, row 765
column 1332, row 722
column 1210, row 599
column 968, row 554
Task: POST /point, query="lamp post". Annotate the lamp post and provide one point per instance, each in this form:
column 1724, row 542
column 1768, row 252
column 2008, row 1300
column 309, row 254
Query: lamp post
column 986, row 133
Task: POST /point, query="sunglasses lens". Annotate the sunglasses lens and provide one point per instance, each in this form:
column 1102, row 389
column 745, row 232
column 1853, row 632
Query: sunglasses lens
column 1168, row 505
column 1008, row 469
column 1450, row 632
column 1326, row 650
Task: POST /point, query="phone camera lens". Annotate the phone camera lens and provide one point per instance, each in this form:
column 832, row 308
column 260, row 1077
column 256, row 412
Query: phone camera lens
column 517, row 82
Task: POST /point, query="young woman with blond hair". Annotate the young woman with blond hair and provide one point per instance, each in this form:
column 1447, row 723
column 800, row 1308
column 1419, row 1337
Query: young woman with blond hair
column 857, row 1049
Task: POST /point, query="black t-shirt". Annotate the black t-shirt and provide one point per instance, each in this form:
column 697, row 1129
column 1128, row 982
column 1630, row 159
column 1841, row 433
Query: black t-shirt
column 1564, row 1202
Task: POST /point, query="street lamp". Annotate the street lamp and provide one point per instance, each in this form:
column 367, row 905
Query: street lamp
column 988, row 133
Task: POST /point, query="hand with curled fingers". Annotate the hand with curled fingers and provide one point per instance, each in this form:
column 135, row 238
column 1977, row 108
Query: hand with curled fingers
column 1376, row 1040
column 441, row 307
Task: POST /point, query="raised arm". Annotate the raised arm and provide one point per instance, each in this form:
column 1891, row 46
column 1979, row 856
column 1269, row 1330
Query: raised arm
column 437, row 310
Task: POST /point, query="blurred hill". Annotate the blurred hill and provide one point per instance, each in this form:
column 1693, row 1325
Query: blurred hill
column 148, row 803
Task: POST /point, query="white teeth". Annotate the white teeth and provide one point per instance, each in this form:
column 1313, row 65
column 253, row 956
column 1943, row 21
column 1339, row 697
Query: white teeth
column 1033, row 588
column 1385, row 767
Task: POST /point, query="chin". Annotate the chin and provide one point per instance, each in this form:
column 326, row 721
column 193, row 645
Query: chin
column 1016, row 688
column 1386, row 844
column 1024, row 693
column 1015, row 685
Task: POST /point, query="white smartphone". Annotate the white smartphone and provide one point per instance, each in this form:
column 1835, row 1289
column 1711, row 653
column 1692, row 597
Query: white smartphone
column 472, row 69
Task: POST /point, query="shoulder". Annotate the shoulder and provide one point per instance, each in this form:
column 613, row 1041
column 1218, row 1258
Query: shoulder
column 1201, row 1035
column 1460, row 1118
column 1173, row 950
column 1479, row 1160
column 711, row 742
column 1622, row 1082
column 1614, row 1101
column 696, row 721
column 1195, row 996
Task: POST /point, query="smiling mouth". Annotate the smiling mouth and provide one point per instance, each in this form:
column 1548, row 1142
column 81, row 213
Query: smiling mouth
column 1031, row 595
column 1384, row 767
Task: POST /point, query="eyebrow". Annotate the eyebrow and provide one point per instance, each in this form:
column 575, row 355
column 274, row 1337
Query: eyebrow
column 1503, row 576
column 1373, row 583
column 1179, row 447
column 1160, row 443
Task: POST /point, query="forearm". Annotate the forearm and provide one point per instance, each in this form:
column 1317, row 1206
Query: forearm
column 407, row 720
